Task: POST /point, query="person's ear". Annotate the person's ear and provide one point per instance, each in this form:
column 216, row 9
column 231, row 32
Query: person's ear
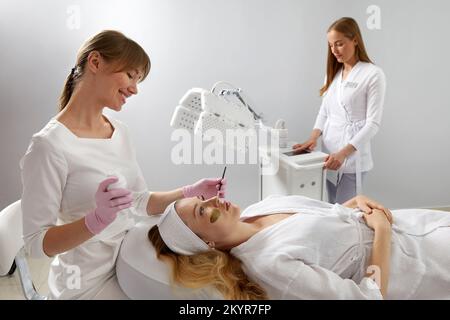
column 94, row 61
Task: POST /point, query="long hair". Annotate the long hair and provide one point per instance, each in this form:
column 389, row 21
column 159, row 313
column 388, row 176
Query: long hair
column 350, row 29
column 114, row 47
column 214, row 267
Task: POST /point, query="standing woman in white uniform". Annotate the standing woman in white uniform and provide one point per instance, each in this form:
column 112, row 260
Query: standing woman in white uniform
column 72, row 211
column 351, row 111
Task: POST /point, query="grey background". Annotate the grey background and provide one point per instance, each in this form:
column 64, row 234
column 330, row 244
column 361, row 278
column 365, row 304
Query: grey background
column 274, row 50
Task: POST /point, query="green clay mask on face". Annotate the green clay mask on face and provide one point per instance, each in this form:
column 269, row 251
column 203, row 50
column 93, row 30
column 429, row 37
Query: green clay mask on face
column 214, row 216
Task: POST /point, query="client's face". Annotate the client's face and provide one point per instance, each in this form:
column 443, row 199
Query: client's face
column 210, row 219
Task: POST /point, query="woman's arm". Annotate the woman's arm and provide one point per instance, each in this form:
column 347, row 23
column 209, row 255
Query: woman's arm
column 205, row 188
column 60, row 239
column 335, row 160
column 380, row 259
column 318, row 128
column 109, row 203
column 376, row 90
column 350, row 203
column 379, row 263
column 308, row 144
column 158, row 201
column 315, row 134
column 367, row 205
column 310, row 281
column 364, row 203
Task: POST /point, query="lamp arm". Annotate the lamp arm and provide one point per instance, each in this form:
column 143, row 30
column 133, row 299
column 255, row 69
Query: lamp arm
column 235, row 91
column 255, row 115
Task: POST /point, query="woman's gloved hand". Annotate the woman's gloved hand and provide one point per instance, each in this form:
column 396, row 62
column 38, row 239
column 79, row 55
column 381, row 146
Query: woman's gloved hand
column 109, row 202
column 206, row 188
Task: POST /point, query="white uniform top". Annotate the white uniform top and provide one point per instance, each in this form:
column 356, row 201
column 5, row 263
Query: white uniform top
column 322, row 252
column 60, row 176
column 351, row 112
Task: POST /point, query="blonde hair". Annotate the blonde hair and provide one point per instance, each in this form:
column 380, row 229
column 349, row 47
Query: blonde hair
column 113, row 46
column 214, row 267
column 350, row 29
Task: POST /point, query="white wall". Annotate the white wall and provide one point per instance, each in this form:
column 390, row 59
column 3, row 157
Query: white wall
column 274, row 50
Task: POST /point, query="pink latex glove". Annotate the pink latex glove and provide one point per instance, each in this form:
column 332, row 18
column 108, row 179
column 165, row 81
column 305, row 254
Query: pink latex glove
column 207, row 188
column 108, row 204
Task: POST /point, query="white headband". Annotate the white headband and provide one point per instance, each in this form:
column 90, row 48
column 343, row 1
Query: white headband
column 177, row 236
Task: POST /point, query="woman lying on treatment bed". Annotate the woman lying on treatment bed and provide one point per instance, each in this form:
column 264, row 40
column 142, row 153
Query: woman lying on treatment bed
column 293, row 247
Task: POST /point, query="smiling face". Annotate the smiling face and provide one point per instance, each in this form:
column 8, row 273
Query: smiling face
column 117, row 87
column 111, row 85
column 108, row 67
column 210, row 219
column 341, row 47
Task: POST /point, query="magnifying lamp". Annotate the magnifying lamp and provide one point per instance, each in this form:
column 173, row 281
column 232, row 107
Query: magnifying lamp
column 217, row 111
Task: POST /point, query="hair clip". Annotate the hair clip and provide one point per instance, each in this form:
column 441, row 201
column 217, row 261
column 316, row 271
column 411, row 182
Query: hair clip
column 75, row 70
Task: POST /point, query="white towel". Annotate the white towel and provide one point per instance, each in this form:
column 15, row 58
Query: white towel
column 177, row 236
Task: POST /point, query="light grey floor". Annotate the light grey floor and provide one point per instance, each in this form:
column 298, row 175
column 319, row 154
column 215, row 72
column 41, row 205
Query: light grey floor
column 10, row 288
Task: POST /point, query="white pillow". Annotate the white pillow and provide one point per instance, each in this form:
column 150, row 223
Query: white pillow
column 143, row 276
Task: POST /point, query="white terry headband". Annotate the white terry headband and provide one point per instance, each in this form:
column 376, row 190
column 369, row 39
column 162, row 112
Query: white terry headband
column 177, row 236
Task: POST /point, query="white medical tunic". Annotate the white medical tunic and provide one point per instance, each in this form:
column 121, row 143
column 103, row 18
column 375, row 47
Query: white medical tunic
column 351, row 113
column 322, row 251
column 60, row 176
